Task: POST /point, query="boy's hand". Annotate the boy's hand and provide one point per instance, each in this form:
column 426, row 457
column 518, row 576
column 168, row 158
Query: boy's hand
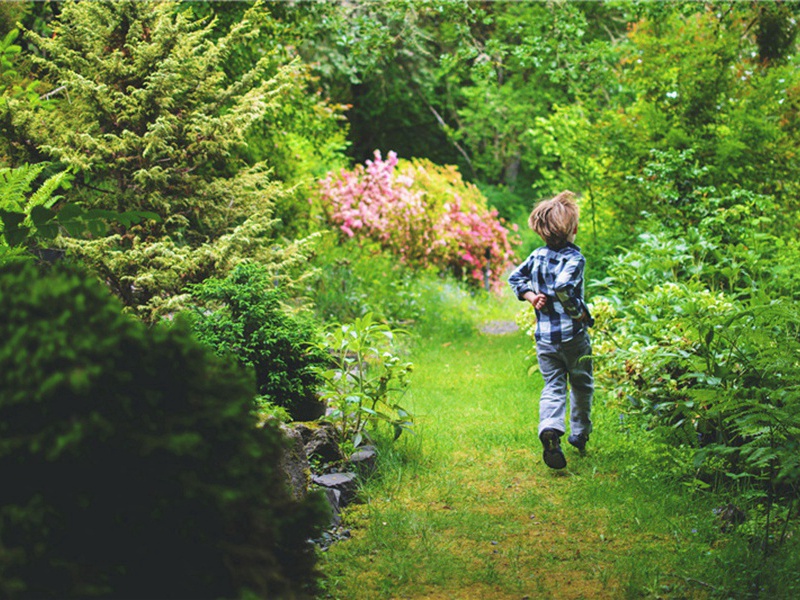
column 537, row 300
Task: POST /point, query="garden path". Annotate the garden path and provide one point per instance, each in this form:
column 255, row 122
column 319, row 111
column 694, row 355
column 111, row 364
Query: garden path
column 466, row 509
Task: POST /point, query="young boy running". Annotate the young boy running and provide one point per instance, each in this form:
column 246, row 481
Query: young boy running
column 551, row 279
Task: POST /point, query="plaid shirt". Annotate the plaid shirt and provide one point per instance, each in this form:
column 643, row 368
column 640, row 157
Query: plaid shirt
column 558, row 274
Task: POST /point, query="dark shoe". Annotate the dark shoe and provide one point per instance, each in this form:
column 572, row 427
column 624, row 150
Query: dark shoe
column 579, row 441
column 553, row 455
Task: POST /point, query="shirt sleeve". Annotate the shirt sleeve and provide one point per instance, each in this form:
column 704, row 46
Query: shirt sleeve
column 520, row 279
column 568, row 287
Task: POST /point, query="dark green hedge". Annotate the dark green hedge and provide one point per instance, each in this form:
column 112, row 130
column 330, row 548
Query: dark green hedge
column 130, row 463
column 244, row 315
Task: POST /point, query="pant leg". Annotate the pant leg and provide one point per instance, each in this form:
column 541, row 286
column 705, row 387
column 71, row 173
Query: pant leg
column 553, row 401
column 581, row 383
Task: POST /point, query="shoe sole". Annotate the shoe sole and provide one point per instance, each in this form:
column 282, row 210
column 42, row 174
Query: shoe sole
column 553, row 455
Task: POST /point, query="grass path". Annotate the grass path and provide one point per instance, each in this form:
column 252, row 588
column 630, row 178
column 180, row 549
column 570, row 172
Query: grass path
column 466, row 508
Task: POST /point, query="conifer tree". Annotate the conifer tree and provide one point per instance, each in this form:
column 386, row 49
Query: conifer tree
column 143, row 109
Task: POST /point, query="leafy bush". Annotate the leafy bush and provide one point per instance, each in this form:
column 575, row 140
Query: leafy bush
column 367, row 375
column 145, row 109
column 245, row 315
column 29, row 218
column 423, row 214
column 695, row 337
column 132, row 463
column 351, row 280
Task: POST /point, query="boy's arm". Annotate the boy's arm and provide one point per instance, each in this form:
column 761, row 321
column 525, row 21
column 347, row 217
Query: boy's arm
column 572, row 304
column 520, row 280
column 538, row 301
column 567, row 285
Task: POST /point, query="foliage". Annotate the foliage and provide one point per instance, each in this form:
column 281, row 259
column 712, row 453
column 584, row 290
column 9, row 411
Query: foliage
column 695, row 337
column 137, row 465
column 143, row 110
column 426, row 215
column 8, row 51
column 151, row 276
column 451, row 80
column 305, row 136
column 23, row 213
column 695, row 112
column 31, row 219
column 350, row 280
column 14, row 82
column 378, row 58
column 245, row 316
column 367, row 374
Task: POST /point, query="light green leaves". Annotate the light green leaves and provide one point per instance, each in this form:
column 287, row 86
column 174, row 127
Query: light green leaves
column 367, row 376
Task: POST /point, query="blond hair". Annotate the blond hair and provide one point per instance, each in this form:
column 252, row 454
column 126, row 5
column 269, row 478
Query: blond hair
column 555, row 219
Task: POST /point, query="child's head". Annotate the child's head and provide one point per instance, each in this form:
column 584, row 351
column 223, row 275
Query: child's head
column 556, row 220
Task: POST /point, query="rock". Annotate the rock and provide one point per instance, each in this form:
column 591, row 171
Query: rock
column 345, row 483
column 328, row 538
column 320, row 441
column 334, row 499
column 364, row 460
column 294, row 463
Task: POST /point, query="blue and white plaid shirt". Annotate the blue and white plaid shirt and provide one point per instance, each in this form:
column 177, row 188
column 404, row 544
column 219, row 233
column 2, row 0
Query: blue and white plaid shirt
column 558, row 274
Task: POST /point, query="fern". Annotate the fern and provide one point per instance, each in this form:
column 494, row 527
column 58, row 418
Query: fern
column 45, row 194
column 15, row 184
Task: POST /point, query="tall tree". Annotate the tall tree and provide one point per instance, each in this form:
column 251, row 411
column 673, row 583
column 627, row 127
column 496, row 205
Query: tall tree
column 460, row 81
column 143, row 108
column 701, row 113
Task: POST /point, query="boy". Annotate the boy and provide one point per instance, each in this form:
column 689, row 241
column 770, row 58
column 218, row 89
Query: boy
column 551, row 279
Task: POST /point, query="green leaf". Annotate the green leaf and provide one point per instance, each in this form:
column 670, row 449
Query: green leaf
column 71, row 211
column 14, row 231
column 16, row 237
column 41, row 215
column 11, row 219
column 97, row 227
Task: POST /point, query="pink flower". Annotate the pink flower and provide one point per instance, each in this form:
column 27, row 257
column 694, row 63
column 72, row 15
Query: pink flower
column 421, row 226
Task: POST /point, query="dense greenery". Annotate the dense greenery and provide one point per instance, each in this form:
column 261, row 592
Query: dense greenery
column 140, row 106
column 228, row 159
column 133, row 462
column 244, row 315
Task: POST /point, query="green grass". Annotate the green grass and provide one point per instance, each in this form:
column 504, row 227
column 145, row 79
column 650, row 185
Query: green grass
column 466, row 509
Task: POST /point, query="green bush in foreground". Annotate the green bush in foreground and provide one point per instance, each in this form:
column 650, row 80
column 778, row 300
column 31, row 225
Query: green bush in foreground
column 130, row 459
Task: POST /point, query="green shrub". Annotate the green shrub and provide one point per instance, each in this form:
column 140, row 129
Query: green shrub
column 367, row 375
column 131, row 460
column 245, row 315
column 351, row 280
column 698, row 337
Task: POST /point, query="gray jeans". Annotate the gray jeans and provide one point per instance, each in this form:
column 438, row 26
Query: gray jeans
column 568, row 362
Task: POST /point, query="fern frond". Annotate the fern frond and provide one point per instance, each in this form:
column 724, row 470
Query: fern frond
column 15, row 185
column 44, row 195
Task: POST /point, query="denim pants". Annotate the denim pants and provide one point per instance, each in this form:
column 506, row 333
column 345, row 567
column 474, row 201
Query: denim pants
column 570, row 362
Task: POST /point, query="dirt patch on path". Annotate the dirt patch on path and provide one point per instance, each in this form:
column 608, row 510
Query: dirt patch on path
column 499, row 327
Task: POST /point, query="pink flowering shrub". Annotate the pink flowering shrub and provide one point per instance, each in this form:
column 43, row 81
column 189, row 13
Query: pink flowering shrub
column 424, row 214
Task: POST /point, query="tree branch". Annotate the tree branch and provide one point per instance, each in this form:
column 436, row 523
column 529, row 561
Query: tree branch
column 443, row 125
column 52, row 93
